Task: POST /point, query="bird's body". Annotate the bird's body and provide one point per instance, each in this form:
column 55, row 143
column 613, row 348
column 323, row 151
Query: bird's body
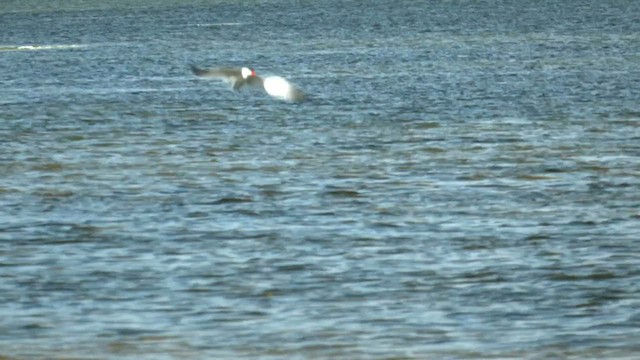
column 275, row 86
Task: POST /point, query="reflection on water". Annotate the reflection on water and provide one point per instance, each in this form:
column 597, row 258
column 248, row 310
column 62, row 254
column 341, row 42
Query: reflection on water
column 462, row 182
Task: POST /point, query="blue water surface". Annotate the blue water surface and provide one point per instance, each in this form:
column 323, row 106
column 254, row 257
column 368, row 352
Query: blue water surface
column 463, row 181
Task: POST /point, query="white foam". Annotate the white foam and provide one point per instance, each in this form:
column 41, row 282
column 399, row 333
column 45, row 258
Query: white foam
column 220, row 24
column 39, row 47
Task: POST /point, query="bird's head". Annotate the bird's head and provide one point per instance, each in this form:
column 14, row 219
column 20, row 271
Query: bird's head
column 246, row 72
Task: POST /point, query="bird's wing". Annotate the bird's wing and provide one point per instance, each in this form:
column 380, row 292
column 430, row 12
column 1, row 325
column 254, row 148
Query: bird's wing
column 231, row 75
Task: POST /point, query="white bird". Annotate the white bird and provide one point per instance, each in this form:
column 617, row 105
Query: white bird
column 275, row 86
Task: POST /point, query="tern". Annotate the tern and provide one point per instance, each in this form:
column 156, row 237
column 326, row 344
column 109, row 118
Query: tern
column 276, row 86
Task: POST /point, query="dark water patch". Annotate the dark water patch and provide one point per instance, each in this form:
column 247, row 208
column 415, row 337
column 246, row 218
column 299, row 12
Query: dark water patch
column 54, row 193
column 593, row 276
column 538, row 237
column 596, row 168
column 36, row 326
column 603, row 298
column 475, row 177
column 59, row 233
column 534, row 177
column 484, row 276
column 343, row 193
column 557, row 170
column 386, row 224
column 48, row 167
column 76, row 137
column 424, row 125
column 433, row 150
column 629, row 118
column 272, row 192
column 198, row 214
column 481, row 242
column 233, row 200
column 295, row 267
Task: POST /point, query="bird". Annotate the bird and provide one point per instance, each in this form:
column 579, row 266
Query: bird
column 276, row 86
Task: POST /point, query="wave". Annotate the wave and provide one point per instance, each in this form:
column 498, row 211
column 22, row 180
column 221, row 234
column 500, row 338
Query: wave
column 39, row 47
column 218, row 24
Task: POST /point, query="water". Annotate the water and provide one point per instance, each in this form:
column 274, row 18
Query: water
column 463, row 181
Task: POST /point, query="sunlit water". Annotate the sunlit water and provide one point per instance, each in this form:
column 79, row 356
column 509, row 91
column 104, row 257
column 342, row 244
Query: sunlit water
column 463, row 181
